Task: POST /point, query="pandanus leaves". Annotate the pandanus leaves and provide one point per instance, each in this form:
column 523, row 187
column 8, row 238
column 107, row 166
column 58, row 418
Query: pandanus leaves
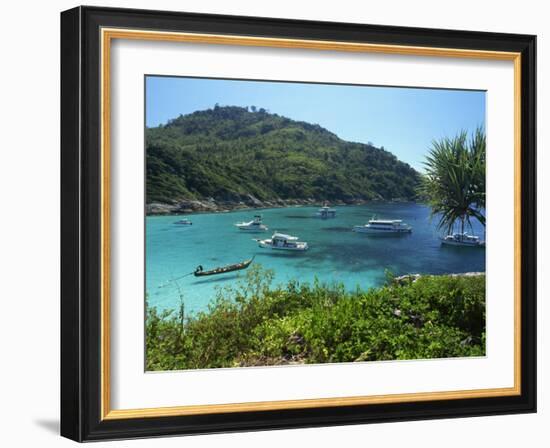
column 454, row 181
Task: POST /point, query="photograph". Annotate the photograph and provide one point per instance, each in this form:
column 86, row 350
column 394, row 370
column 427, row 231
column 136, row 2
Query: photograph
column 292, row 223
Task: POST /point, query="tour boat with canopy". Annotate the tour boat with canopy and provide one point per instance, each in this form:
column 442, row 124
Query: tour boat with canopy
column 462, row 239
column 326, row 212
column 384, row 227
column 281, row 241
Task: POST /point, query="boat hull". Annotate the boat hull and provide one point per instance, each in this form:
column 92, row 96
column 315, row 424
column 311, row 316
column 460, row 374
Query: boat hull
column 252, row 230
column 301, row 247
column 462, row 240
column 390, row 232
column 325, row 215
column 462, row 243
column 224, row 269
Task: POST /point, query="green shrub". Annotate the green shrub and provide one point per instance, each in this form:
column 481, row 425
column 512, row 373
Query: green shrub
column 255, row 323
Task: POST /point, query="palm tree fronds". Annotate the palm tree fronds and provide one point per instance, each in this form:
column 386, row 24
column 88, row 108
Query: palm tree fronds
column 454, row 182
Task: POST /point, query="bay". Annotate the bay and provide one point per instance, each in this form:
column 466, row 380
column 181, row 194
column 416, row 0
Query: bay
column 336, row 254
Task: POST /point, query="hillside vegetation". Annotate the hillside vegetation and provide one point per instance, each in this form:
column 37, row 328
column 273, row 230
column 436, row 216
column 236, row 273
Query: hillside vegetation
column 255, row 324
column 227, row 153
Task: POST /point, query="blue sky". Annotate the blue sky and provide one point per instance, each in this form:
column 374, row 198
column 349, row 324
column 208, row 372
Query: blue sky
column 402, row 120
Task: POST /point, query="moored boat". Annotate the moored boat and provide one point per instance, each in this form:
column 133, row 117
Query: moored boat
column 200, row 272
column 282, row 241
column 184, row 222
column 326, row 212
column 384, row 227
column 462, row 239
column 255, row 225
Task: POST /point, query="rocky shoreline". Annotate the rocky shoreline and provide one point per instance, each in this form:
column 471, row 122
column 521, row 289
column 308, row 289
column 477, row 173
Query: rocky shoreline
column 212, row 205
column 412, row 278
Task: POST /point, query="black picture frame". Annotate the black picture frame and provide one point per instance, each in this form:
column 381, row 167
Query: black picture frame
column 81, row 224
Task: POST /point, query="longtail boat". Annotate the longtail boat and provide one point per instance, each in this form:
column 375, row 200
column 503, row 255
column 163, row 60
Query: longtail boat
column 200, row 272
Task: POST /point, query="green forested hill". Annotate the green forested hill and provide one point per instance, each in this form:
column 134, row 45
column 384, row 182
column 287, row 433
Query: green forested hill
column 226, row 153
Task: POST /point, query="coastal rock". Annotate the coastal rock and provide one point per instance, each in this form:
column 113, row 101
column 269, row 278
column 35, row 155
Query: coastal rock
column 234, row 201
column 253, row 201
column 408, row 278
column 188, row 206
column 468, row 274
column 411, row 278
column 160, row 209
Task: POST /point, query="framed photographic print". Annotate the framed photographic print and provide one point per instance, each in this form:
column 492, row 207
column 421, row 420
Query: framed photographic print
column 275, row 224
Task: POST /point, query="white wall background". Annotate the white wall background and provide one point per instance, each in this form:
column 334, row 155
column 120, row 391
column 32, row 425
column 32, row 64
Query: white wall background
column 29, row 222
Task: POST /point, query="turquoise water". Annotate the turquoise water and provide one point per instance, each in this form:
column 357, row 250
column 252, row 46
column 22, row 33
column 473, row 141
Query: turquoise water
column 336, row 254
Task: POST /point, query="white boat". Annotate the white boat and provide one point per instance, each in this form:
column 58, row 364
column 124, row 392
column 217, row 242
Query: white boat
column 281, row 241
column 384, row 227
column 462, row 239
column 252, row 226
column 326, row 212
column 184, row 222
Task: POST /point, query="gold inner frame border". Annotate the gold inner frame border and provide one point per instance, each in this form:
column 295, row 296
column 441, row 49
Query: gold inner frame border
column 107, row 36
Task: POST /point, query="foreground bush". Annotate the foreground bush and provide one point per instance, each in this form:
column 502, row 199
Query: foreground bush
column 256, row 324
